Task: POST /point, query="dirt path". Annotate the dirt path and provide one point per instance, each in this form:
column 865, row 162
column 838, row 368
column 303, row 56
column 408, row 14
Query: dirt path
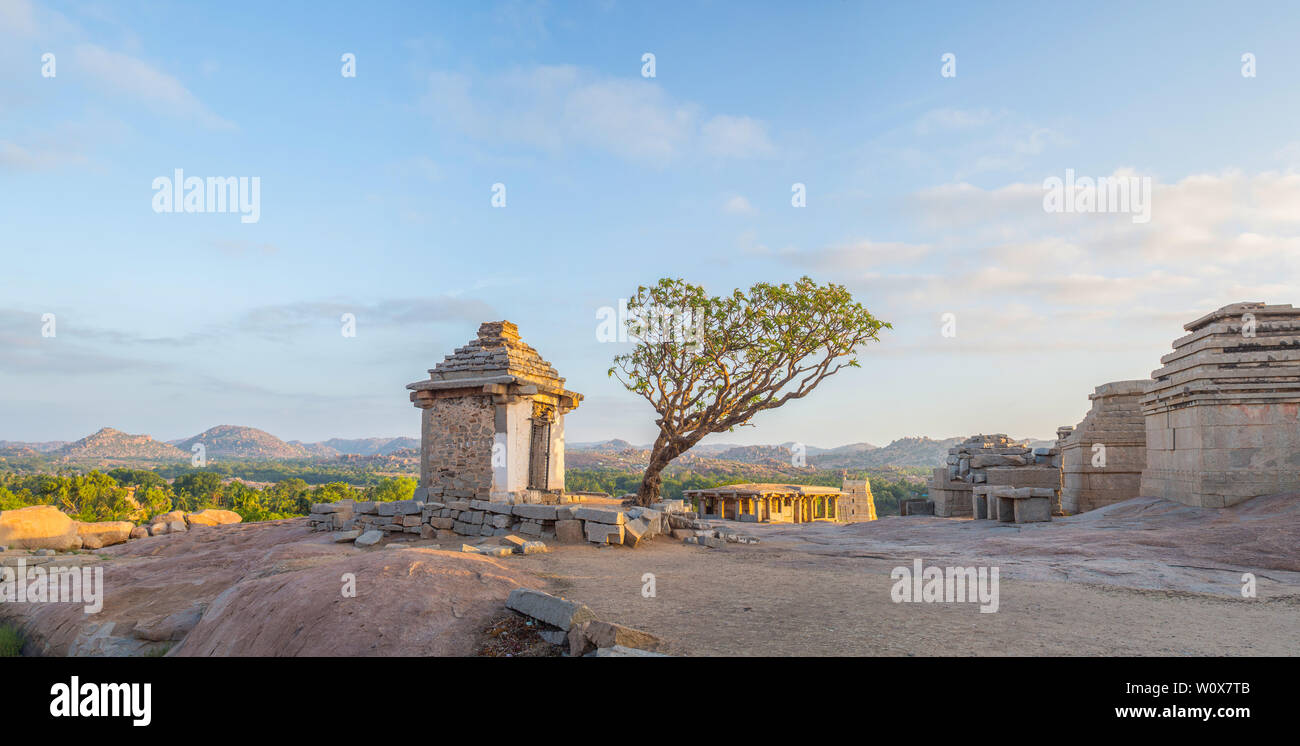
column 1134, row 588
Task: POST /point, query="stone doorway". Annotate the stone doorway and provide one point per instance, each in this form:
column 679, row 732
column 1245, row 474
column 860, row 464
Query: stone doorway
column 539, row 455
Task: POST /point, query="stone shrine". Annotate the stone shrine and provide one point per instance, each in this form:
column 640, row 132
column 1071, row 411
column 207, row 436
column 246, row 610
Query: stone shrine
column 492, row 422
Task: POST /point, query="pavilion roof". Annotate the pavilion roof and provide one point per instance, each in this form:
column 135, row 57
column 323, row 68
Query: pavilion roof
column 767, row 488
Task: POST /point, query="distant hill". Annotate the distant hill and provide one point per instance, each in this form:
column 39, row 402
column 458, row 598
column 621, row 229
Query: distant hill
column 604, row 446
column 46, row 447
column 232, row 441
column 917, row 451
column 764, row 455
column 316, row 450
column 117, row 445
column 369, row 446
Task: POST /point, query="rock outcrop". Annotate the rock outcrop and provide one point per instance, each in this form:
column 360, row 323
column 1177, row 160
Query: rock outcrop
column 38, row 527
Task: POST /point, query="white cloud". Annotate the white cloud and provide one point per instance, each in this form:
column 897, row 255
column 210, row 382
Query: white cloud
column 561, row 108
column 736, row 137
column 940, row 120
column 738, row 205
column 138, row 79
column 1023, row 281
column 16, row 17
column 19, row 158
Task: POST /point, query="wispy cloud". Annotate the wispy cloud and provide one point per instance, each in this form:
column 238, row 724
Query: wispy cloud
column 137, row 79
column 560, row 108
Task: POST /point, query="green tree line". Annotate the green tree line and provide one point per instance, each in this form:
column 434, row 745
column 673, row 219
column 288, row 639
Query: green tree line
column 139, row 494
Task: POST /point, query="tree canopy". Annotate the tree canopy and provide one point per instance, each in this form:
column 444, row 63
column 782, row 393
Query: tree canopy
column 710, row 364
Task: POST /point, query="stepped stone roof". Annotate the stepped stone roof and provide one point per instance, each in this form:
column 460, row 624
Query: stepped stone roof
column 496, row 355
column 1221, row 359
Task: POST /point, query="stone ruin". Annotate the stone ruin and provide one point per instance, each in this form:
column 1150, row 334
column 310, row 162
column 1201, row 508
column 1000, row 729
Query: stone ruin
column 492, row 422
column 492, row 465
column 1223, row 414
column 989, row 461
column 857, row 504
column 1102, row 458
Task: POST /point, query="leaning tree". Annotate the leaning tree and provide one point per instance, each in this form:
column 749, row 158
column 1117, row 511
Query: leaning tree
column 709, row 364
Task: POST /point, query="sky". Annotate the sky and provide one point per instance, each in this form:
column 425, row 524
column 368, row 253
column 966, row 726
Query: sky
column 924, row 136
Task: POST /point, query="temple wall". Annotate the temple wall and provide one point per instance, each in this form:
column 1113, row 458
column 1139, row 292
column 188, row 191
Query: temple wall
column 1103, row 457
column 456, row 438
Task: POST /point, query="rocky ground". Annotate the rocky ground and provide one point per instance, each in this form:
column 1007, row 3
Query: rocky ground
column 1146, row 577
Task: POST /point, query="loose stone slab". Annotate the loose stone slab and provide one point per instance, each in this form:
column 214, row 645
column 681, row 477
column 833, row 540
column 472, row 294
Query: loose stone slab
column 604, row 533
column 634, row 531
column 611, row 516
column 544, row 607
column 369, row 538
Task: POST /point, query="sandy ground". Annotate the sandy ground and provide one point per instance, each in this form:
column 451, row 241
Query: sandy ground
column 1145, row 578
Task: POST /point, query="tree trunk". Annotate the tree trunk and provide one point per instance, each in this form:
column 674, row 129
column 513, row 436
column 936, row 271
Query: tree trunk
column 660, row 455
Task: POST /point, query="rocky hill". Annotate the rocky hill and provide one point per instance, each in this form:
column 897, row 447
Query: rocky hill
column 232, row 441
column 764, row 455
column 369, row 446
column 116, row 445
column 316, row 450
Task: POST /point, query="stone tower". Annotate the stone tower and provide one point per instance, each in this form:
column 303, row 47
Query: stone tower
column 1223, row 414
column 492, row 422
column 857, row 503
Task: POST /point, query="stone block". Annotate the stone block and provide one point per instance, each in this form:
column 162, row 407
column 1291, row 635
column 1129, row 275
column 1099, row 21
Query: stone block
column 535, row 512
column 569, row 531
column 612, row 516
column 1032, row 510
column 603, row 533
column 634, row 531
column 553, row 610
column 369, row 538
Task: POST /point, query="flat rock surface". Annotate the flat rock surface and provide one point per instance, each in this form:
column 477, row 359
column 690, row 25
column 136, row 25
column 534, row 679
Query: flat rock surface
column 275, row 589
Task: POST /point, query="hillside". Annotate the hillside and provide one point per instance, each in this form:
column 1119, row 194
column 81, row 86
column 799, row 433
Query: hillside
column 119, row 446
column 45, row 447
column 316, row 450
column 920, row 451
column 369, row 446
column 232, row 441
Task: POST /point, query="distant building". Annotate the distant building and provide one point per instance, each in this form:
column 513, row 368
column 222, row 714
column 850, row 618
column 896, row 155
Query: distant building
column 785, row 503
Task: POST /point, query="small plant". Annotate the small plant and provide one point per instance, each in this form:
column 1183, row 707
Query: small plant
column 11, row 641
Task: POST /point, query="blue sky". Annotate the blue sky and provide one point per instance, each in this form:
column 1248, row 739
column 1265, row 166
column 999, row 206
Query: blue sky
column 924, row 198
